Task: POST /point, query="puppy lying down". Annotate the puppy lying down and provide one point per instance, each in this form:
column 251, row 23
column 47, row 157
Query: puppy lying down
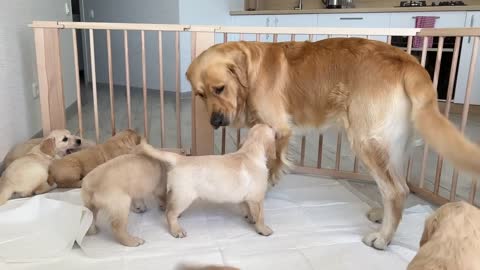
column 450, row 240
column 69, row 171
column 120, row 182
column 28, row 174
column 240, row 177
column 65, row 143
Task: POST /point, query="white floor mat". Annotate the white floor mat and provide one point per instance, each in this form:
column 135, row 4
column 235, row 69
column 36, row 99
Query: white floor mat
column 317, row 224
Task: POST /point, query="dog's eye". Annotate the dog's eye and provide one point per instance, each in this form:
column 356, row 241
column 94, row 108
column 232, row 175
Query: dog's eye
column 200, row 95
column 64, row 139
column 219, row 90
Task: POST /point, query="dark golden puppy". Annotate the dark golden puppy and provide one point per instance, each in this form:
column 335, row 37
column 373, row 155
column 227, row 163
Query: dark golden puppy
column 69, row 171
column 450, row 240
column 377, row 92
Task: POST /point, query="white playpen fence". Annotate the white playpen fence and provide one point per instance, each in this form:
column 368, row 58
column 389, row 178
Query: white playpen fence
column 48, row 55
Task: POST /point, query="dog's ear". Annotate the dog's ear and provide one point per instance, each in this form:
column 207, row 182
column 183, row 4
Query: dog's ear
column 431, row 225
column 239, row 68
column 47, row 146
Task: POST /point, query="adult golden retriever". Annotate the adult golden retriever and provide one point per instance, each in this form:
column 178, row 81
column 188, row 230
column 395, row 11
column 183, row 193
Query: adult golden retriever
column 375, row 91
column 450, row 240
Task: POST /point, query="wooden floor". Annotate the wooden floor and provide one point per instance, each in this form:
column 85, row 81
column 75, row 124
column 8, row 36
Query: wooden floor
column 312, row 139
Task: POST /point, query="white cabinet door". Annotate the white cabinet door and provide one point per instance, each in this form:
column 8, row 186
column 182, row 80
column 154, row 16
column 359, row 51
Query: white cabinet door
column 444, row 19
column 300, row 20
column 356, row 20
column 253, row 20
column 473, row 20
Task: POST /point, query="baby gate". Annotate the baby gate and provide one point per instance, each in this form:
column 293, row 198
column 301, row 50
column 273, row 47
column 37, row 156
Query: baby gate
column 439, row 183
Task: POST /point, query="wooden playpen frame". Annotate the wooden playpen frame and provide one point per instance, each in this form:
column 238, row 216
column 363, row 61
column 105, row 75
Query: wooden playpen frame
column 47, row 45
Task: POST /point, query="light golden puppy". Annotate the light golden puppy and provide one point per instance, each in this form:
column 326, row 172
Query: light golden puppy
column 28, row 174
column 378, row 93
column 450, row 240
column 66, row 143
column 113, row 185
column 240, row 177
column 69, row 171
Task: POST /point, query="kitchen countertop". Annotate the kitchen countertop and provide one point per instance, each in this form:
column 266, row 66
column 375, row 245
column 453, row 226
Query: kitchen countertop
column 358, row 10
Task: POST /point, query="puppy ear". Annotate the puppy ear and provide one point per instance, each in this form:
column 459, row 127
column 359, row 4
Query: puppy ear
column 239, row 68
column 47, row 146
column 431, row 225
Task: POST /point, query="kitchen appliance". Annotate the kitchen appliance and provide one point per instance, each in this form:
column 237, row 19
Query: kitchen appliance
column 433, row 4
column 338, row 3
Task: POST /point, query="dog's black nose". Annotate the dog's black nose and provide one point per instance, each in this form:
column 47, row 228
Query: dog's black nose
column 78, row 141
column 217, row 120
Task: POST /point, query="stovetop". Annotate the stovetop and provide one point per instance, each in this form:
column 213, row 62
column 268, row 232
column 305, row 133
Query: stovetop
column 433, row 4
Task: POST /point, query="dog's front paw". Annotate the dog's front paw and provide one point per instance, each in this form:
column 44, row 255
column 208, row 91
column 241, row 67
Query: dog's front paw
column 178, row 233
column 264, row 230
column 133, row 241
column 376, row 240
column 375, row 215
column 139, row 207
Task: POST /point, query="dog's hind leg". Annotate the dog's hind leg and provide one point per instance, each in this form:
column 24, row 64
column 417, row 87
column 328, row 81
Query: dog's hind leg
column 256, row 210
column 393, row 189
column 5, row 192
column 44, row 188
column 118, row 208
column 177, row 203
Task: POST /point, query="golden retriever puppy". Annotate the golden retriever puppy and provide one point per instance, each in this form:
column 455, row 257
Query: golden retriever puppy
column 378, row 93
column 113, row 185
column 240, row 177
column 450, row 240
column 28, row 174
column 69, row 171
column 66, row 143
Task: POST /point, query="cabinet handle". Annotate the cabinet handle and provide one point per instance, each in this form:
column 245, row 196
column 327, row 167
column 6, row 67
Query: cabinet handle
column 351, row 18
column 471, row 25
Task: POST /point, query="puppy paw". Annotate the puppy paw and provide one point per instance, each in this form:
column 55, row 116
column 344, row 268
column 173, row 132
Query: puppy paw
column 178, row 233
column 132, row 241
column 264, row 230
column 139, row 207
column 376, row 240
column 375, row 215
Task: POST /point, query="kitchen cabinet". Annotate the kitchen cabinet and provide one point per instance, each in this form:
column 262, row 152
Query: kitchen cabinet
column 254, row 20
column 472, row 20
column 356, row 20
column 443, row 19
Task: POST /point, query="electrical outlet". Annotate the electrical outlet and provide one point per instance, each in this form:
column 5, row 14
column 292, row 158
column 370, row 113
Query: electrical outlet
column 35, row 91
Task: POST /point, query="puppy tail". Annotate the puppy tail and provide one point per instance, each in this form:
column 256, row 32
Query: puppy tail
column 435, row 128
column 168, row 157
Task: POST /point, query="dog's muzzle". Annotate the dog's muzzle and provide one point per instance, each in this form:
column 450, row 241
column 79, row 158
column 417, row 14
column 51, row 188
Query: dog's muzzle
column 218, row 119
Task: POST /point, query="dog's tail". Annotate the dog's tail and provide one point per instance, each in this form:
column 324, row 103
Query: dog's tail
column 164, row 156
column 435, row 128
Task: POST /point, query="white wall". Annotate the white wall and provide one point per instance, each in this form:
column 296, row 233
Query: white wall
column 139, row 11
column 204, row 12
column 19, row 110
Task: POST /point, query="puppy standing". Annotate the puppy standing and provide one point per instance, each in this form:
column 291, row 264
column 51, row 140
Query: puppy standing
column 240, row 177
column 28, row 175
column 113, row 185
column 450, row 240
column 69, row 171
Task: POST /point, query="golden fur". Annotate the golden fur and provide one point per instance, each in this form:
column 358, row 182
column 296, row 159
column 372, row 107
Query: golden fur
column 240, row 177
column 113, row 185
column 377, row 92
column 450, row 240
column 66, row 144
column 69, row 171
column 27, row 175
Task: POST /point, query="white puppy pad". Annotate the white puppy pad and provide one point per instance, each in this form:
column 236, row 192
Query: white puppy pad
column 317, row 224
